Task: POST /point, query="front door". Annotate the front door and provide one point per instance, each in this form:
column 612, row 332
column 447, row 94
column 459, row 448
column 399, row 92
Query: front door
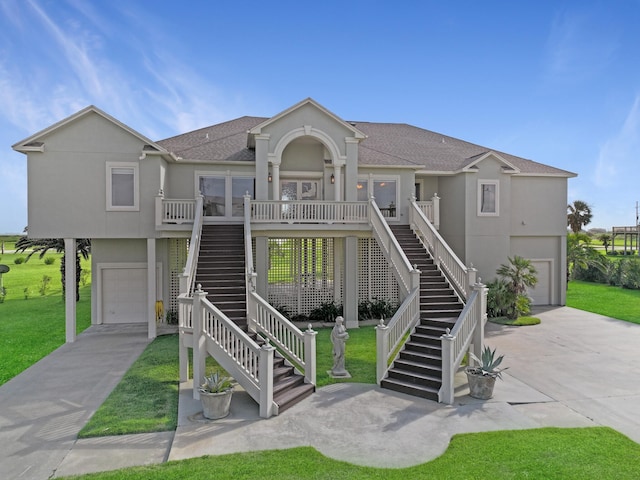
column 300, row 190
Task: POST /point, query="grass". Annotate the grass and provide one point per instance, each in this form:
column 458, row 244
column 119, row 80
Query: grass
column 547, row 453
column 611, row 301
column 32, row 329
column 146, row 399
column 518, row 322
column 360, row 356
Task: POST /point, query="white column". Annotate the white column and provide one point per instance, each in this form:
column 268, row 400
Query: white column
column 351, row 170
column 275, row 181
column 350, row 300
column 337, row 189
column 151, row 287
column 70, row 288
column 262, row 167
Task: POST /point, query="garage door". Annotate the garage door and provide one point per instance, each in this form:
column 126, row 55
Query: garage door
column 124, row 295
column 541, row 294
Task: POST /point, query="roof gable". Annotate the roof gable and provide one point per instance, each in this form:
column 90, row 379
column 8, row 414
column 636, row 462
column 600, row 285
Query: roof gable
column 475, row 160
column 36, row 143
column 308, row 101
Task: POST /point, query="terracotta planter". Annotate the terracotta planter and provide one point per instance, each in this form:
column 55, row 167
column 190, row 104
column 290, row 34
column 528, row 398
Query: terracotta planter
column 480, row 386
column 215, row 405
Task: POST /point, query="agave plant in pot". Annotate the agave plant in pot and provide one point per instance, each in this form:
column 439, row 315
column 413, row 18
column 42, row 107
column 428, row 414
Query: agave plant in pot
column 482, row 377
column 215, row 395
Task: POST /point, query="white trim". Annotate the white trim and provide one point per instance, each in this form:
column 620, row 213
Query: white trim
column 321, row 136
column 479, row 158
column 480, row 184
column 110, row 166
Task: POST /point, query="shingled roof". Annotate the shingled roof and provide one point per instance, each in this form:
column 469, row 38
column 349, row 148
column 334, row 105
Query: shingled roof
column 387, row 144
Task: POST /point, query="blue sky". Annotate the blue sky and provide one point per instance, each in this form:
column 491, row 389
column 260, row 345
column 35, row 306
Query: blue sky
column 550, row 80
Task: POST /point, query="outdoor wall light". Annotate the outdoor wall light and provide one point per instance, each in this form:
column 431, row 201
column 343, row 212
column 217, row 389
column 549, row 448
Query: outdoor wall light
column 269, row 178
column 333, row 179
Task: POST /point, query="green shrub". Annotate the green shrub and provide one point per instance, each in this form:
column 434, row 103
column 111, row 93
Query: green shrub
column 85, row 274
column 44, row 285
column 172, row 317
column 631, row 274
column 500, row 299
column 376, row 309
column 49, row 260
column 326, row 312
column 18, row 260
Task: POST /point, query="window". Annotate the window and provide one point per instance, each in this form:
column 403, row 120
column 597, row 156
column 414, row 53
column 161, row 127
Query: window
column 224, row 195
column 122, row 186
column 488, row 198
column 384, row 190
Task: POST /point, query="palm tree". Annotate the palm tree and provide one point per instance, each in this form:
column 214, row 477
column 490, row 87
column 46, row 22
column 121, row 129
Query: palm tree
column 605, row 238
column 581, row 254
column 42, row 245
column 578, row 215
column 519, row 275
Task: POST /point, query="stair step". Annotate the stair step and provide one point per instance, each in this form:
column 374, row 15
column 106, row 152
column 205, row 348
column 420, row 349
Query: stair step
column 290, row 397
column 420, row 357
column 410, row 388
column 411, row 377
column 418, row 371
column 434, row 349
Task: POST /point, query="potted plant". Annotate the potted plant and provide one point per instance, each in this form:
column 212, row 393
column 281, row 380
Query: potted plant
column 482, row 377
column 215, row 395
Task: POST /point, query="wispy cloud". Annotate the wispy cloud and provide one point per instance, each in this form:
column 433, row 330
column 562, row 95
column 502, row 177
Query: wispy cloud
column 618, row 156
column 579, row 45
column 118, row 62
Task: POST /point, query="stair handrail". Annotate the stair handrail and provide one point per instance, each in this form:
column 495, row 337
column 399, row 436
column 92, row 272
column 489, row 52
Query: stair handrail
column 460, row 276
column 468, row 329
column 408, row 277
column 188, row 276
column 298, row 347
column 389, row 337
column 250, row 364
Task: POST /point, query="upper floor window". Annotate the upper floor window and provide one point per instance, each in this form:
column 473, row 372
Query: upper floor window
column 122, row 186
column 488, row 197
column 385, row 191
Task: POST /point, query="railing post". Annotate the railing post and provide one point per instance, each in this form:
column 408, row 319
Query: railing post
column 310, row 355
column 415, row 278
column 265, row 373
column 159, row 211
column 472, row 274
column 446, row 392
column 436, row 211
column 199, row 347
column 481, row 312
column 382, row 349
column 183, row 351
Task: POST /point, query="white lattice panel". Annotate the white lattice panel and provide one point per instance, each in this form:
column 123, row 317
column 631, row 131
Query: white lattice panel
column 301, row 273
column 177, row 260
column 375, row 278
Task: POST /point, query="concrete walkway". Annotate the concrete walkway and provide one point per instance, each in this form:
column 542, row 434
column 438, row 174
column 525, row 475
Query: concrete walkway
column 575, row 369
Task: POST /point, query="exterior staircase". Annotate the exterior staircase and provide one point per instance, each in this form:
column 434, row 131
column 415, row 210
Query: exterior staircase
column 221, row 272
column 418, row 369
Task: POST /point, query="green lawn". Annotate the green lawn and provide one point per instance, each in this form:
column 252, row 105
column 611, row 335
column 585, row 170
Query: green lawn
column 32, row 329
column 611, row 301
column 32, row 325
column 547, row 453
column 146, row 399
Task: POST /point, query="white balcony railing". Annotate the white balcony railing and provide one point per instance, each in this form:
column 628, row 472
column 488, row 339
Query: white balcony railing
column 307, row 211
